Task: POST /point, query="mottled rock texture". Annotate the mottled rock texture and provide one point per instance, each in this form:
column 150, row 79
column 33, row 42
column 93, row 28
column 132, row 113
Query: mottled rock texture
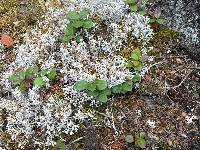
column 184, row 17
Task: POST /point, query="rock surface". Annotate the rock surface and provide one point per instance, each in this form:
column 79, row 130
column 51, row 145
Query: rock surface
column 184, row 17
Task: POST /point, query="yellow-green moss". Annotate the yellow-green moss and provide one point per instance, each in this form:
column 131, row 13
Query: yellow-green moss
column 16, row 17
column 163, row 36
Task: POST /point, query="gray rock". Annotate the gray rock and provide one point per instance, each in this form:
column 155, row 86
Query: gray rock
column 184, row 17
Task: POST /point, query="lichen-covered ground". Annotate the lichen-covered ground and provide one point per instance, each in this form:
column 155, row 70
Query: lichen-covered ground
column 163, row 108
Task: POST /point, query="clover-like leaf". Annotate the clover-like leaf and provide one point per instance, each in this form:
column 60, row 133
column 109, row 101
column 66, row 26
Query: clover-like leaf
column 136, row 78
column 102, row 98
column 83, row 14
column 39, row 82
column 134, row 56
column 142, row 134
column 87, row 24
column 101, row 84
column 13, row 77
column 67, row 38
column 130, row 64
column 127, row 86
column 72, row 15
column 69, row 30
column 117, row 89
column 22, row 87
column 91, row 87
column 22, row 75
column 139, row 67
column 93, row 93
column 31, row 70
column 81, row 85
column 52, row 74
column 106, row 91
column 138, row 52
column 141, row 142
column 136, row 63
column 134, row 8
column 77, row 23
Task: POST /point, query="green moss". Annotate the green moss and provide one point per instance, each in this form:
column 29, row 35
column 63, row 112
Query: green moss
column 163, row 36
column 17, row 16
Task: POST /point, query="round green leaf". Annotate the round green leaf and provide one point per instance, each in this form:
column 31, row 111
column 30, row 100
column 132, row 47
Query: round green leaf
column 139, row 67
column 52, row 74
column 87, row 24
column 102, row 98
column 129, row 64
column 72, row 15
column 13, row 77
column 134, row 56
column 81, row 85
column 31, row 70
column 101, row 84
column 91, row 87
column 77, row 23
column 83, row 14
column 69, row 29
column 136, row 63
column 141, row 142
column 67, row 38
column 93, row 93
column 142, row 134
column 136, row 78
column 134, row 8
column 39, row 82
column 22, row 87
column 106, row 92
column 117, row 89
column 137, row 52
column 127, row 86
column 22, row 75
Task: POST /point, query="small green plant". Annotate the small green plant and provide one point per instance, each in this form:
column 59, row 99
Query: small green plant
column 126, row 86
column 135, row 7
column 78, row 20
column 123, row 88
column 99, row 88
column 24, row 79
column 136, row 60
column 138, row 139
column 159, row 20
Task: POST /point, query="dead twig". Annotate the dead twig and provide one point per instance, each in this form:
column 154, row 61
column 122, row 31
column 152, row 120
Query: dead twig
column 184, row 79
column 76, row 140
